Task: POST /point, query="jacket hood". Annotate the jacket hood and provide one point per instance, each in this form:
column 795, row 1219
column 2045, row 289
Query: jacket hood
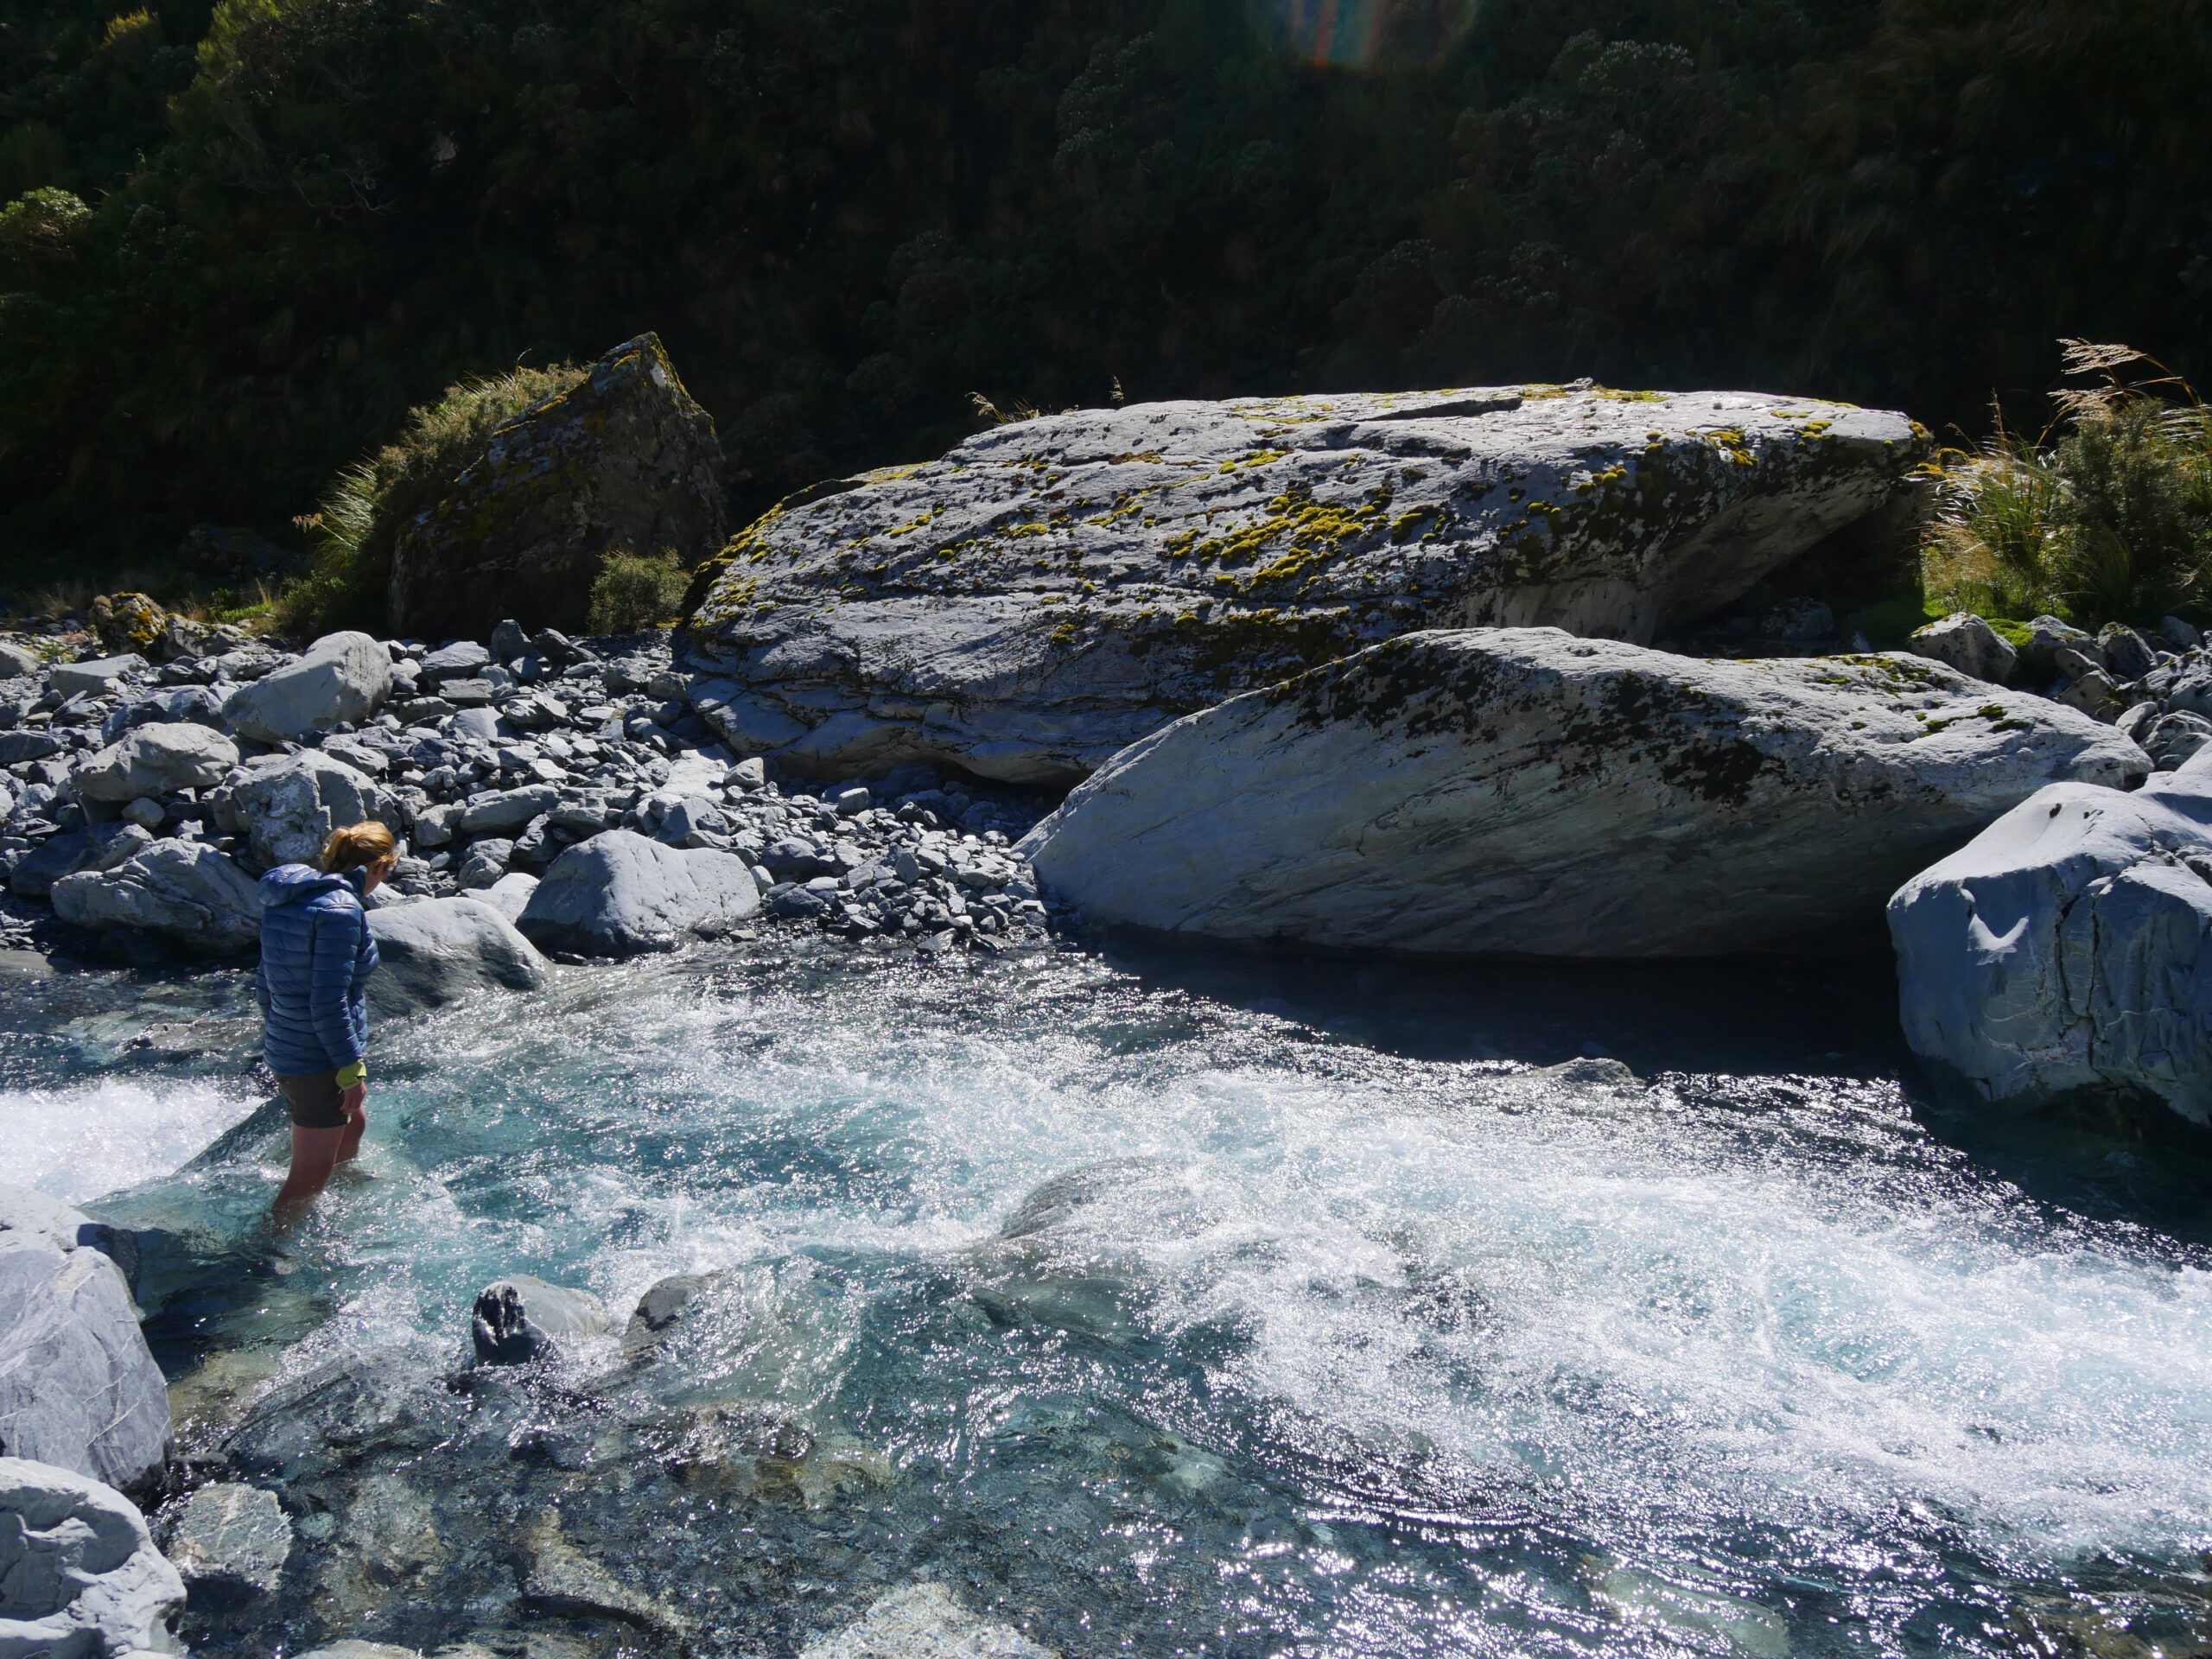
column 295, row 884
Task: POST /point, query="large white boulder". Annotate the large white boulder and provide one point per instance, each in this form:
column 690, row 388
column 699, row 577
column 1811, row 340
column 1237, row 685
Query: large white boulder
column 440, row 951
column 157, row 760
column 621, row 894
column 342, row 676
column 1967, row 642
column 1054, row 589
column 2067, row 949
column 79, row 1576
column 185, row 891
column 79, row 1388
column 287, row 805
column 1523, row 790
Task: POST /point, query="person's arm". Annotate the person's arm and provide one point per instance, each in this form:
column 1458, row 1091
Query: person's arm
column 330, row 986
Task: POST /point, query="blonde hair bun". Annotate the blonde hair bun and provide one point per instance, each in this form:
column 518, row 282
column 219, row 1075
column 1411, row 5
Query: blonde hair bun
column 359, row 847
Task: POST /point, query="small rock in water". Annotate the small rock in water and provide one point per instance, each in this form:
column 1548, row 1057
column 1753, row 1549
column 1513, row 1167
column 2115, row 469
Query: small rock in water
column 517, row 1319
column 923, row 1622
column 231, row 1539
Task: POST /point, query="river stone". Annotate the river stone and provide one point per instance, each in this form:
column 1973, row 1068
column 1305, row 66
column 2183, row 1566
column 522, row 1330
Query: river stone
column 231, row 1538
column 1053, row 590
column 286, row 808
column 97, row 675
column 621, row 894
column 185, row 891
column 18, row 660
column 520, row 1318
column 2127, row 655
column 624, row 462
column 1523, row 791
column 1967, row 642
column 440, row 951
column 343, row 676
column 508, row 808
column 923, row 1622
column 16, row 747
column 2047, row 636
column 96, row 847
column 2067, row 949
column 157, row 760
column 79, row 1576
column 78, row 1387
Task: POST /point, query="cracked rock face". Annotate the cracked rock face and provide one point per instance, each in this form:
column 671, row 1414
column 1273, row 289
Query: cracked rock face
column 2067, row 949
column 1522, row 791
column 78, row 1572
column 1052, row 591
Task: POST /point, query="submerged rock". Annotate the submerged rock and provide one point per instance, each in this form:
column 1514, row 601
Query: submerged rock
column 79, row 1576
column 2067, row 949
column 621, row 894
column 1523, row 790
column 439, row 951
column 923, row 1622
column 624, row 462
column 343, row 676
column 230, row 1540
column 1051, row 590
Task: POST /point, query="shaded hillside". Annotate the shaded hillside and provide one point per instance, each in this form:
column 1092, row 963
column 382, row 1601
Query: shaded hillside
column 233, row 272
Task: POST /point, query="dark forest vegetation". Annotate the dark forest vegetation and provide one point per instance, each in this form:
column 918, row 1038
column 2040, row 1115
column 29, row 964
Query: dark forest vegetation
column 241, row 244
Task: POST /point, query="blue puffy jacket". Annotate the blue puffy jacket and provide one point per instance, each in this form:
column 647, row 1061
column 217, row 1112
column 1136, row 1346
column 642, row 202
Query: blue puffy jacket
column 316, row 958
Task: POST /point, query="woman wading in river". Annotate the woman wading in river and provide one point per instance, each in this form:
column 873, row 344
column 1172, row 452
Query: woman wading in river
column 316, row 958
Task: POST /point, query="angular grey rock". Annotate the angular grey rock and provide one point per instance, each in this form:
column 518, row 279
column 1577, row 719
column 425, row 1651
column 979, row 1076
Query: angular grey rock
column 923, row 1622
column 2093, row 692
column 520, row 1318
column 79, row 1388
column 97, row 675
column 750, row 724
column 230, row 1540
column 79, row 1576
column 96, row 847
column 343, row 676
column 2173, row 738
column 1967, row 642
column 508, row 810
column 157, row 760
column 621, row 894
column 286, row 808
column 15, row 747
column 509, row 641
column 2067, row 949
column 486, row 863
column 624, row 460
column 2047, row 636
column 185, row 891
column 146, row 812
column 2127, row 655
column 1523, row 791
column 509, row 894
column 440, row 951
column 1052, row 591
column 480, row 725
column 463, row 659
column 2177, row 635
column 18, row 660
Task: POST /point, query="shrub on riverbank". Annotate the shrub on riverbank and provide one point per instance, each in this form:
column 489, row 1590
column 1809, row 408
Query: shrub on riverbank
column 369, row 502
column 2108, row 521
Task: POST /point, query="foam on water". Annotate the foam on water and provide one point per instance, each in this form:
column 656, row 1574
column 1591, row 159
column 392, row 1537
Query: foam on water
column 77, row 1143
column 1418, row 1295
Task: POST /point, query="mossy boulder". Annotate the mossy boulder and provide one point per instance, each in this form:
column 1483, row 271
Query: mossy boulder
column 1521, row 791
column 1053, row 590
column 624, row 462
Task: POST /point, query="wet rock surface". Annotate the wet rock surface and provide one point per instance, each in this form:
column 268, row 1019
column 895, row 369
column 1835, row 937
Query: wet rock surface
column 1052, row 591
column 1523, row 790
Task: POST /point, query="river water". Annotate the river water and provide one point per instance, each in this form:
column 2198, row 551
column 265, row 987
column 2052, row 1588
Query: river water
column 1355, row 1332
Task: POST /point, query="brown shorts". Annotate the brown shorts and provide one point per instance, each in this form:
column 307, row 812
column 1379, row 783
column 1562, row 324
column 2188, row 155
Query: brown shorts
column 313, row 1099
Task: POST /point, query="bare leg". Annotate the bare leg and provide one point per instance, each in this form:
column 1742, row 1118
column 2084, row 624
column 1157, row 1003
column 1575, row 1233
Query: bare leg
column 351, row 1145
column 315, row 1155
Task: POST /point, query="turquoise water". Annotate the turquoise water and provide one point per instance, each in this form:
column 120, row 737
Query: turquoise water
column 1368, row 1339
